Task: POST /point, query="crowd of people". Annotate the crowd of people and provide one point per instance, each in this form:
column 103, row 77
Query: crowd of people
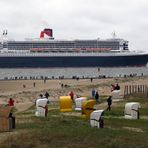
column 94, row 93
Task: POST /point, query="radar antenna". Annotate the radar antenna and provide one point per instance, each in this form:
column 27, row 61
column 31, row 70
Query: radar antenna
column 114, row 35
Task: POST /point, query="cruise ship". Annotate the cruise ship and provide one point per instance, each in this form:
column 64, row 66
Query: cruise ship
column 47, row 52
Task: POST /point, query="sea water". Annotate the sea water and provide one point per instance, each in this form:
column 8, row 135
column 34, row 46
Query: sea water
column 71, row 72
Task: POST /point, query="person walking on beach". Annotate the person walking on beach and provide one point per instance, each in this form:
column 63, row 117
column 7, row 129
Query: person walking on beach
column 34, row 84
column 62, row 85
column 93, row 92
column 24, row 86
column 11, row 102
column 41, row 96
column 97, row 97
column 112, row 87
column 117, row 87
column 71, row 94
column 47, row 95
column 109, row 102
column 44, row 80
column 91, row 79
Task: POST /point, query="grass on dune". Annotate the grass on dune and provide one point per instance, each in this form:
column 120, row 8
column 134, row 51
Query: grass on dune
column 68, row 131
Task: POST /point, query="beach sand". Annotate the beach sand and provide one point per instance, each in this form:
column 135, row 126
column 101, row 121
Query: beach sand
column 25, row 96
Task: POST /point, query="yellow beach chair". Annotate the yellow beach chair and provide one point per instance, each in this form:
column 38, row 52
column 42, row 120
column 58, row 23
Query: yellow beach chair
column 65, row 104
column 87, row 108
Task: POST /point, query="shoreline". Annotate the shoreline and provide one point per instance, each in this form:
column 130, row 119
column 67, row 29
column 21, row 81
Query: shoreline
column 103, row 76
column 71, row 73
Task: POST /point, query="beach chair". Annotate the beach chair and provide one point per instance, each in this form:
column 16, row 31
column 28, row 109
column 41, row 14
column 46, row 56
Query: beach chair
column 65, row 104
column 41, row 107
column 78, row 103
column 87, row 108
column 7, row 121
column 96, row 118
column 132, row 110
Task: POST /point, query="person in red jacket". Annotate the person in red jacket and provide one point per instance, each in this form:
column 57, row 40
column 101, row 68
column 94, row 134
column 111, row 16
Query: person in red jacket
column 11, row 102
column 71, row 94
column 113, row 87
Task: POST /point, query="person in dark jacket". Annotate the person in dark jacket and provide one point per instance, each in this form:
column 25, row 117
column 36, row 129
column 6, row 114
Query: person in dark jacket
column 97, row 97
column 109, row 102
column 117, row 87
column 47, row 95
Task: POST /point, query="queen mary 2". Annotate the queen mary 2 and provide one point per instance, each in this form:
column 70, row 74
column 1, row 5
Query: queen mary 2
column 46, row 52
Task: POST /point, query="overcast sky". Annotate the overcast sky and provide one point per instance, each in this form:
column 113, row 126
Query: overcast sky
column 77, row 19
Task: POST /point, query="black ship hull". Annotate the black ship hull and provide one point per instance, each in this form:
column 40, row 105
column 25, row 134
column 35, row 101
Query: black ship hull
column 73, row 61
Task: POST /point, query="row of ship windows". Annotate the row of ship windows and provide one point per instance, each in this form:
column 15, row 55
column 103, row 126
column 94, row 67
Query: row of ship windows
column 59, row 43
column 63, row 46
column 67, row 45
column 24, row 47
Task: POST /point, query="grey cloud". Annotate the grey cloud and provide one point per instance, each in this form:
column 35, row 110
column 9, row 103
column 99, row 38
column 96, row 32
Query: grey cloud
column 77, row 19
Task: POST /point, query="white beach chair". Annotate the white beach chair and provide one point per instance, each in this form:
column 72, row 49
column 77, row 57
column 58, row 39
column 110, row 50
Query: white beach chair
column 96, row 119
column 78, row 103
column 132, row 110
column 40, row 107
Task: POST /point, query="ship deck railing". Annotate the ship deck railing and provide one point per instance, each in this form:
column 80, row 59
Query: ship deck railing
column 68, row 54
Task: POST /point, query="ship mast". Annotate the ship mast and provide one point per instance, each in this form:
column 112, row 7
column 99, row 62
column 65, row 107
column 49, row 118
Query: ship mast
column 4, row 40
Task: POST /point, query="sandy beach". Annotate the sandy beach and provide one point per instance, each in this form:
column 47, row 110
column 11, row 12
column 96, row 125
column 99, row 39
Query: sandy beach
column 24, row 92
